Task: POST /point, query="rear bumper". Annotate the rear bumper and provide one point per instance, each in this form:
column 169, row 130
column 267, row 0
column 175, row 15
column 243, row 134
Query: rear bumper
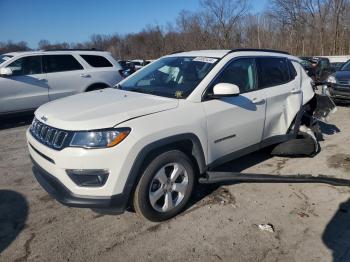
column 63, row 195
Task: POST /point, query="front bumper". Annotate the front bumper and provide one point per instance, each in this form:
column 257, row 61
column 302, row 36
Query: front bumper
column 63, row 195
column 51, row 166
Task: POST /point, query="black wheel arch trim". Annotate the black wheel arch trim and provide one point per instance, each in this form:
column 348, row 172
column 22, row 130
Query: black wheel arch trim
column 135, row 172
column 96, row 84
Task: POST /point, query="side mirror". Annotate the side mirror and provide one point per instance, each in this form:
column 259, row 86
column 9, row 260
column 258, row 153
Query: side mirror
column 225, row 89
column 5, row 71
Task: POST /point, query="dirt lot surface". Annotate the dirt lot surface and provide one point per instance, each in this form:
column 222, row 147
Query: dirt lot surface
column 311, row 222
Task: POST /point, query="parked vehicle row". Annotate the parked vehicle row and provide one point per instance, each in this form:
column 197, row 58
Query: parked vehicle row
column 334, row 77
column 30, row 79
column 144, row 143
column 339, row 83
column 131, row 66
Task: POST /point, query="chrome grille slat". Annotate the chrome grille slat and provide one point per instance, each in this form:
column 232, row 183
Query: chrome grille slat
column 47, row 135
column 42, row 133
column 344, row 82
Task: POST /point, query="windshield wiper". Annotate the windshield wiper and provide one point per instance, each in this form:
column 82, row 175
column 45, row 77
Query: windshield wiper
column 138, row 90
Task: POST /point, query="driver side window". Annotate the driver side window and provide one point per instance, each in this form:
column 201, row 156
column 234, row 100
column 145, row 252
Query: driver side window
column 29, row 65
column 241, row 73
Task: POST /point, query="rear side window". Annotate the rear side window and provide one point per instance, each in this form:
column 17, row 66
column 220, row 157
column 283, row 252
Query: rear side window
column 96, row 61
column 272, row 71
column 29, row 65
column 60, row 63
column 292, row 71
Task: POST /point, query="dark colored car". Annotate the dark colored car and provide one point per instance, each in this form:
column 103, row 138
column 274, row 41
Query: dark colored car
column 339, row 83
column 336, row 66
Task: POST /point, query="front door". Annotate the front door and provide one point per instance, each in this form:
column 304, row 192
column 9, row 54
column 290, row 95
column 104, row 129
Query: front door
column 26, row 88
column 235, row 123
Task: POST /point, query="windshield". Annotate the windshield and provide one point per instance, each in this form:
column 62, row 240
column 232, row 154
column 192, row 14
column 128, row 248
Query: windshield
column 346, row 66
column 174, row 77
column 4, row 58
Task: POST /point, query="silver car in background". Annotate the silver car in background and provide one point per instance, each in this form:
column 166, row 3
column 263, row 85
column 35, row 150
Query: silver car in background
column 30, row 79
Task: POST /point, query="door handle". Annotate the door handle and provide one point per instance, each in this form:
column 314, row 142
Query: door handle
column 85, row 75
column 41, row 79
column 258, row 100
column 295, row 91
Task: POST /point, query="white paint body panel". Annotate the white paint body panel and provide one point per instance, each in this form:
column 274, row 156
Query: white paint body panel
column 283, row 103
column 23, row 92
column 234, row 116
column 101, row 109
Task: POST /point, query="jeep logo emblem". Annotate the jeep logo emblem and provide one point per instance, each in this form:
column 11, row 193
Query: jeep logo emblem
column 44, row 118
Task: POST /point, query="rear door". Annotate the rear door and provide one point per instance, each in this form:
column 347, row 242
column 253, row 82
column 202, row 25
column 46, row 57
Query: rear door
column 101, row 70
column 281, row 83
column 235, row 123
column 26, row 88
column 65, row 75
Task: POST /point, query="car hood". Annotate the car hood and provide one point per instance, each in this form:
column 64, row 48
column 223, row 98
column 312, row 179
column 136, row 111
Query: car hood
column 342, row 75
column 101, row 109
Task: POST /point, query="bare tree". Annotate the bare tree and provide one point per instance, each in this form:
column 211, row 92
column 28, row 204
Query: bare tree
column 225, row 15
column 338, row 9
column 10, row 46
column 302, row 27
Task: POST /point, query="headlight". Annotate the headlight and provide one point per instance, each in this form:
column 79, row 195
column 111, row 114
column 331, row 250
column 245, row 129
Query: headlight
column 99, row 138
column 331, row 79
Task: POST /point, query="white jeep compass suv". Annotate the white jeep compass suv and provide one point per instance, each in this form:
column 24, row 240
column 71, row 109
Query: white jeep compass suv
column 145, row 142
column 30, row 79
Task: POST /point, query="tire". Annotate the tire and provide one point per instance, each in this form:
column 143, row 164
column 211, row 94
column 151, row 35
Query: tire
column 160, row 182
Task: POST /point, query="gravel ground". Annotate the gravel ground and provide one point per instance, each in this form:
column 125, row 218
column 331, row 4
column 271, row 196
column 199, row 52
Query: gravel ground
column 311, row 222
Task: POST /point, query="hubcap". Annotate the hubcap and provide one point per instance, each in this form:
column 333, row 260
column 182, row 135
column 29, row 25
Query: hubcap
column 168, row 187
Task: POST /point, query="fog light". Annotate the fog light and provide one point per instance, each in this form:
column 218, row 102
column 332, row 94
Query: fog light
column 88, row 177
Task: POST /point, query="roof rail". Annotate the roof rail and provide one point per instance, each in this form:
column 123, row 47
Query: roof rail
column 258, row 50
column 179, row 51
column 71, row 49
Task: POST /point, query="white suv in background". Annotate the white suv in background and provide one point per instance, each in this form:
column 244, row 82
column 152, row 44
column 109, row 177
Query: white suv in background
column 144, row 142
column 30, row 79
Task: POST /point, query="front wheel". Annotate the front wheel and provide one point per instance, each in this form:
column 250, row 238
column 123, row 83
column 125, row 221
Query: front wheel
column 165, row 186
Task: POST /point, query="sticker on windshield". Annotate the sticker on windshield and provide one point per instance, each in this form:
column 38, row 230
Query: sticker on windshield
column 178, row 94
column 205, row 59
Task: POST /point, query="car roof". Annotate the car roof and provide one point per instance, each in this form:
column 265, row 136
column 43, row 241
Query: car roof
column 208, row 53
column 220, row 53
column 57, row 52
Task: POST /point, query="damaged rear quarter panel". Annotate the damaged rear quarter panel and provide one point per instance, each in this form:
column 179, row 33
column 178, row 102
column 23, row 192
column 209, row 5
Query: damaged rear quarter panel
column 281, row 108
column 283, row 105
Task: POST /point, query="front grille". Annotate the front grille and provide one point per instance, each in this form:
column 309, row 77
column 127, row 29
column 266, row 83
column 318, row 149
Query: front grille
column 52, row 137
column 344, row 82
